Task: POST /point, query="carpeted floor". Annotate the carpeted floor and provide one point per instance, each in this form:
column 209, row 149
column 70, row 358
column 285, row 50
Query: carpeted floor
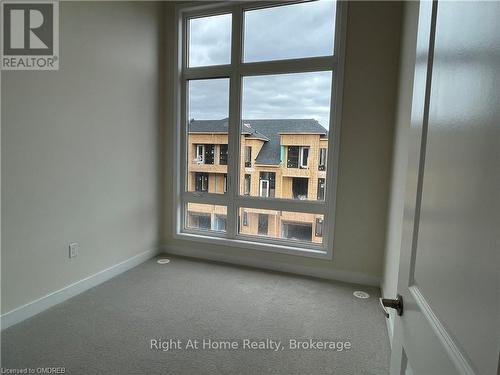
column 108, row 329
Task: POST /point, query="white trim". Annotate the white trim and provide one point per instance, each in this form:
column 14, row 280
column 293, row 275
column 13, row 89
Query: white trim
column 200, row 157
column 37, row 306
column 287, row 66
column 252, row 261
column 301, row 157
column 335, row 126
column 455, row 353
column 255, row 242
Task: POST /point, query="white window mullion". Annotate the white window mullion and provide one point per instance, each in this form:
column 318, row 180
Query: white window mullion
column 293, row 205
column 308, row 64
column 234, row 121
column 332, row 156
column 181, row 120
column 205, row 197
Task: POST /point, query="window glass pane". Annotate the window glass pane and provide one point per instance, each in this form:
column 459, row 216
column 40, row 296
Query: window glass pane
column 206, row 217
column 293, row 226
column 210, row 40
column 284, row 128
column 207, row 142
column 290, row 31
column 247, row 184
column 321, row 189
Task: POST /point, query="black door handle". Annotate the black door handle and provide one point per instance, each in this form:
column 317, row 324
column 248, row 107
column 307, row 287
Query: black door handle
column 396, row 304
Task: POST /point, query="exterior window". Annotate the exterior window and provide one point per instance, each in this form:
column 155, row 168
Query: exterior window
column 322, row 159
column 220, row 223
column 304, row 157
column 204, row 154
column 248, row 156
column 201, row 181
column 264, row 188
column 319, row 228
column 293, row 157
column 209, row 154
column 205, row 217
column 267, row 184
column 199, row 221
column 321, row 189
column 263, row 224
column 223, row 155
column 200, row 154
column 300, row 187
column 297, row 231
column 248, row 184
column 277, row 110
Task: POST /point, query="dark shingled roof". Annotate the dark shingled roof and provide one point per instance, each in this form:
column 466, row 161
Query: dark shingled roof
column 269, row 130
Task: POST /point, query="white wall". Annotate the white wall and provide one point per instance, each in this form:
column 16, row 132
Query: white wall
column 371, row 72
column 80, row 151
column 400, row 159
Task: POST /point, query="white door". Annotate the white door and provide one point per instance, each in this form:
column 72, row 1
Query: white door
column 449, row 270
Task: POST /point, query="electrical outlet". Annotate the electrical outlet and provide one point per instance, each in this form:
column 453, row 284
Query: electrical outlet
column 73, row 249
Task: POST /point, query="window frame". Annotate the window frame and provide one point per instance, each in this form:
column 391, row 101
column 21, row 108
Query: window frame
column 248, row 157
column 247, row 177
column 204, row 177
column 318, row 223
column 223, row 155
column 245, row 218
column 289, row 163
column 235, row 71
column 200, row 157
column 263, row 182
column 323, row 156
column 260, row 220
column 302, row 151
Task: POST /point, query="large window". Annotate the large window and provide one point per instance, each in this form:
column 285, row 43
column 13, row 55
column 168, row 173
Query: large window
column 258, row 110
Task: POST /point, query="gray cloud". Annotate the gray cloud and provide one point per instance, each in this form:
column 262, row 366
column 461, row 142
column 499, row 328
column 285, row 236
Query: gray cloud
column 303, row 95
column 209, row 99
column 210, row 40
column 300, row 30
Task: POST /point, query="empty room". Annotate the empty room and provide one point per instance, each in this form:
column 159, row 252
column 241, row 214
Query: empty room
column 250, row 187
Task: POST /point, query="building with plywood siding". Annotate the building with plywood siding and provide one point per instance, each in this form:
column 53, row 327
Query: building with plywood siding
column 279, row 158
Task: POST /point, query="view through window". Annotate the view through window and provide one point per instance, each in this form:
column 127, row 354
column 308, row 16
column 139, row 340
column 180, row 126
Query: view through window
column 256, row 150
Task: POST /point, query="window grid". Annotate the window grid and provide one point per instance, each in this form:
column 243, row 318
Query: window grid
column 235, row 72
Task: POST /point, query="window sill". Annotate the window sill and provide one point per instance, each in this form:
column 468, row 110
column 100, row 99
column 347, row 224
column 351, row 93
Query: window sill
column 216, row 239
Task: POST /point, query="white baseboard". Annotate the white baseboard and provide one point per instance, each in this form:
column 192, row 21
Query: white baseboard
column 32, row 308
column 324, row 273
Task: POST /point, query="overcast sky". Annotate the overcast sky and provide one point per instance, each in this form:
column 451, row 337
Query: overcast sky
column 300, row 30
